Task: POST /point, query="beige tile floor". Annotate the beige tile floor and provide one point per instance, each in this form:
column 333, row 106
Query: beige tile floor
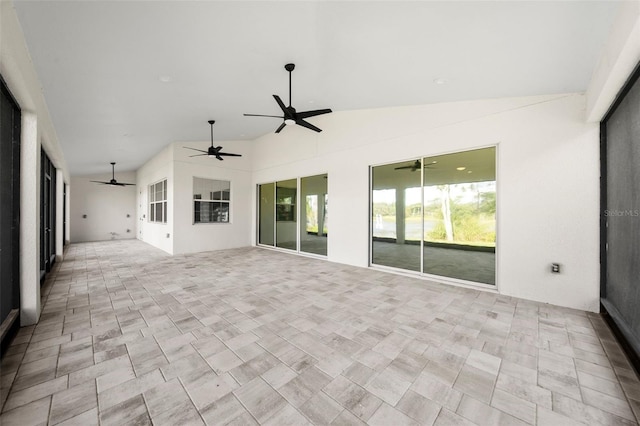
column 130, row 335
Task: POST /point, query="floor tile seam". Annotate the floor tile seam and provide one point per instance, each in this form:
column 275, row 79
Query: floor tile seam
column 368, row 392
column 494, row 389
column 606, row 412
column 15, row 377
column 294, row 345
column 49, row 395
column 429, row 399
column 184, row 387
column 553, row 392
column 233, row 392
column 146, row 403
column 126, row 345
column 627, row 398
column 600, row 378
column 181, row 358
column 50, row 409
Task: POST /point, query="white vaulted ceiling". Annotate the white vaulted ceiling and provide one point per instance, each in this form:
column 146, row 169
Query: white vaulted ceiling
column 102, row 64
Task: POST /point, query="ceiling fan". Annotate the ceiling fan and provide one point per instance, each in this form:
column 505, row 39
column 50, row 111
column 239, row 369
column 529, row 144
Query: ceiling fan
column 291, row 116
column 213, row 151
column 417, row 165
column 113, row 181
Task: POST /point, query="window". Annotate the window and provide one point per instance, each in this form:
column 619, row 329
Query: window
column 158, row 202
column 211, row 200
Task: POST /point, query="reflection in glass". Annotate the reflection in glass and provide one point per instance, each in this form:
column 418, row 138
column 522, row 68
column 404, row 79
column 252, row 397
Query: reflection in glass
column 286, row 222
column 451, row 220
column 460, row 215
column 396, row 215
column 325, row 215
column 313, row 217
column 266, row 214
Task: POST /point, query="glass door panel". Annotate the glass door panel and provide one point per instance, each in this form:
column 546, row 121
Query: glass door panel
column 460, row 215
column 266, row 214
column 286, row 214
column 313, row 223
column 396, row 215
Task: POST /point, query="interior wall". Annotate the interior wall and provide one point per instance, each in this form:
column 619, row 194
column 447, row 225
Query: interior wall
column 160, row 167
column 547, row 181
column 190, row 237
column 106, row 208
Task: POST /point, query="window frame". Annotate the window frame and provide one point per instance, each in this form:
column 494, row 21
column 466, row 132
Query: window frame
column 153, row 202
column 212, row 201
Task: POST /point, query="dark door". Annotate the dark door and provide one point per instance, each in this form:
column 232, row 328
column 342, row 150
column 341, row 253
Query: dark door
column 47, row 214
column 10, row 202
column 64, row 215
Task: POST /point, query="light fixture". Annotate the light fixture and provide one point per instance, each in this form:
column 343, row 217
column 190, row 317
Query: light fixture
column 461, row 168
column 289, row 121
column 434, row 162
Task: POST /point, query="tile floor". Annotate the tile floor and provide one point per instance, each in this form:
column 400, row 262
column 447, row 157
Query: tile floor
column 130, row 335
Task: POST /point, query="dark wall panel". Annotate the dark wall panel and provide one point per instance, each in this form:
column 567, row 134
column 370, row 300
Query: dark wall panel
column 9, row 203
column 621, row 289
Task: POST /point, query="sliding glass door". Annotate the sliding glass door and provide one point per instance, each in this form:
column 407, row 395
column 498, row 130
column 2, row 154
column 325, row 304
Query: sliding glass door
column 286, row 214
column 314, row 214
column 292, row 214
column 397, row 216
column 266, row 213
column 437, row 215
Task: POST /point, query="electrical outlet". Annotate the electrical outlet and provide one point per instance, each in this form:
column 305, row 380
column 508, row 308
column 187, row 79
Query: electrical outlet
column 555, row 268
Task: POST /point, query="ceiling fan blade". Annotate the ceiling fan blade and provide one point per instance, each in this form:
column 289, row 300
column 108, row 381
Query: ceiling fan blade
column 279, row 129
column 281, row 104
column 219, row 158
column 194, row 149
column 262, row 115
column 307, row 114
column 228, row 154
column 308, row 125
column 126, row 184
column 198, row 155
column 97, row 181
column 403, row 168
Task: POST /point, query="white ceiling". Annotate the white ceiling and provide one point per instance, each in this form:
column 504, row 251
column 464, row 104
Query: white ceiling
column 101, row 62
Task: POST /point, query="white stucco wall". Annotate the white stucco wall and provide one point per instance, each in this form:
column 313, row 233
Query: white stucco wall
column 190, row 237
column 548, row 197
column 106, row 208
column 160, row 167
